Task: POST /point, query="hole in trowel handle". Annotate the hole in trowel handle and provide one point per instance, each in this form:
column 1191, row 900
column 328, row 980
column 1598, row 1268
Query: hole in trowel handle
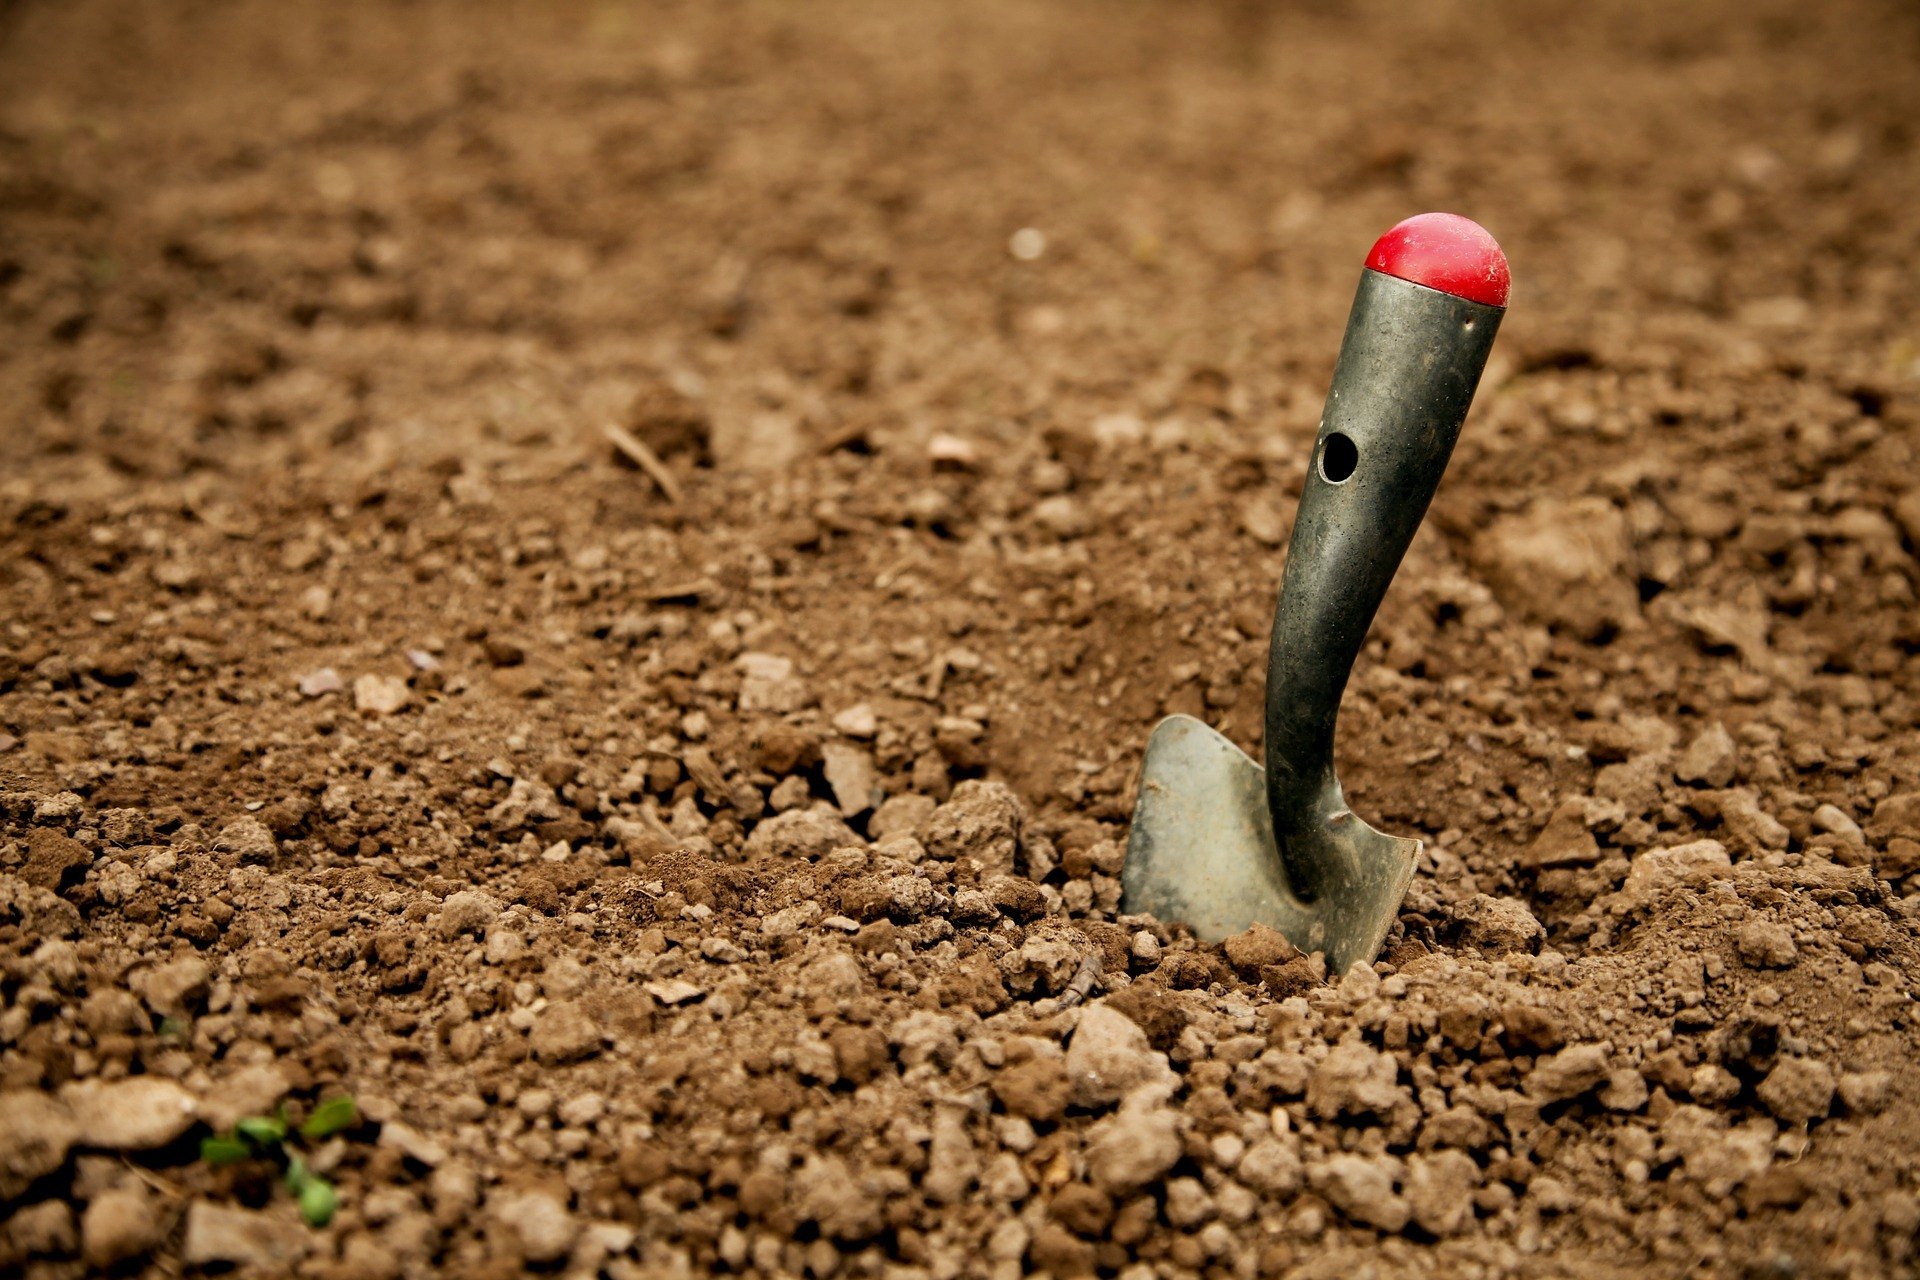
column 1338, row 458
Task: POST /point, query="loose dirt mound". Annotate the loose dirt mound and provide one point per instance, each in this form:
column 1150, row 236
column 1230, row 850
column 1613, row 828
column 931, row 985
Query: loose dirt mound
column 729, row 883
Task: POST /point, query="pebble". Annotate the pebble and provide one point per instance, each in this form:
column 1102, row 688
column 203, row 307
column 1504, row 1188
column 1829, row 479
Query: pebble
column 981, row 821
column 845, row 1206
column 857, row 721
column 1255, row 948
column 1272, row 1166
column 540, row 1220
column 1135, row 1145
column 1797, row 1090
column 1439, row 1191
column 1710, row 760
column 376, row 695
column 120, row 1224
column 318, row 684
column 564, row 1032
column 850, row 775
column 1866, row 1093
column 1362, row 1188
column 802, row 833
column 1354, row 1079
column 1657, row 871
column 269, row 1240
column 173, row 989
column 251, row 1091
column 139, row 1113
column 674, row 991
column 1766, row 944
column 36, row 1132
column 466, row 912
column 1497, row 926
column 905, row 815
column 1110, row 1056
column 38, row 1230
column 768, row 684
column 1569, row 1073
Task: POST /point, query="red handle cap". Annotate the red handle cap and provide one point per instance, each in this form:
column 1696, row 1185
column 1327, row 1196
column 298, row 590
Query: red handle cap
column 1447, row 252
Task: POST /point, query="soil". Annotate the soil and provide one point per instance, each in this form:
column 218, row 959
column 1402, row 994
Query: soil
column 725, row 879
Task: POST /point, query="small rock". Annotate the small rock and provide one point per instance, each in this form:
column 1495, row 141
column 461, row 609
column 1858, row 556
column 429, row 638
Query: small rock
column 1766, row 944
column 849, row 773
column 1747, row 826
column 1569, row 1073
column 981, row 821
column 1565, row 841
column 1255, row 948
column 1272, row 1167
column 1710, row 760
column 1659, row 871
column 564, row 1032
column 318, row 684
column 1496, row 926
column 952, row 1161
column 857, row 722
column 380, row 695
column 248, row 839
column 1898, row 815
column 1836, row 821
column 1439, row 1191
column 36, row 1132
column 1354, row 1079
column 42, row 1230
column 1362, row 1188
column 1109, row 1057
column 54, row 859
column 905, row 815
column 139, row 1113
column 540, row 1220
column 674, row 991
column 845, row 1205
column 174, row 989
column 803, row 833
column 467, row 912
column 768, row 684
column 250, row 1091
column 412, row 1143
column 1038, row 1089
column 1798, row 1090
column 1625, row 1090
column 1135, row 1145
column 120, row 1224
column 1866, row 1093
column 270, row 1240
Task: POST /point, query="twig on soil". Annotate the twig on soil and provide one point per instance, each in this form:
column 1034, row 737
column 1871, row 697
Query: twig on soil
column 154, row 1180
column 635, row 450
column 1085, row 980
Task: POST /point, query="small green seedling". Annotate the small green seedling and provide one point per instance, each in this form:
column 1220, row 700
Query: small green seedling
column 273, row 1138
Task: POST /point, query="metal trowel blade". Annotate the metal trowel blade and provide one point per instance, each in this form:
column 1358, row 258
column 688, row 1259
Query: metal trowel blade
column 1202, row 853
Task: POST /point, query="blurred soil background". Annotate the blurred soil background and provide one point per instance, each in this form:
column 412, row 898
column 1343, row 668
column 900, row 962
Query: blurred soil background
column 715, row 871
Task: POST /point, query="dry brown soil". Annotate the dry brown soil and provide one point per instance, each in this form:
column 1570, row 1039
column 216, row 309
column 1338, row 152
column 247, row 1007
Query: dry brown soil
column 728, row 884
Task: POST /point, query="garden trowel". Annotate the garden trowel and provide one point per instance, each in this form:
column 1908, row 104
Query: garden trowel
column 1218, row 843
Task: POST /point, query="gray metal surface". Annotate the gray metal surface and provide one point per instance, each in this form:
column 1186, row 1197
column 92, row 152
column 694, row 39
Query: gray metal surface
column 1217, row 842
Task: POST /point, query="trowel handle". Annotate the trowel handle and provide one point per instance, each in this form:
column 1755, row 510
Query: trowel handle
column 1408, row 366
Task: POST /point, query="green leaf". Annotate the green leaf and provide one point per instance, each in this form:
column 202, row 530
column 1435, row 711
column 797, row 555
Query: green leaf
column 262, row 1131
column 318, row 1200
column 297, row 1175
column 224, row 1149
column 330, row 1117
